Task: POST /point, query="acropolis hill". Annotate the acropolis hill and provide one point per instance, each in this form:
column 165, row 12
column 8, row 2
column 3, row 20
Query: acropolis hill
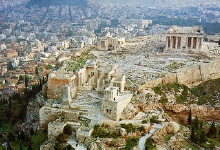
column 135, row 91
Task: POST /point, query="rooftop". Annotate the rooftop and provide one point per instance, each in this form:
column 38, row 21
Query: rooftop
column 194, row 30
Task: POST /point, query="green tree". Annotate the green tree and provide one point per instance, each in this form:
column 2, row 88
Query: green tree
column 10, row 66
column 67, row 130
column 192, row 136
column 36, row 71
column 212, row 130
column 21, row 78
column 26, row 80
column 8, row 114
column 149, row 143
column 201, row 125
column 196, row 123
column 190, row 116
column 202, row 137
column 11, row 136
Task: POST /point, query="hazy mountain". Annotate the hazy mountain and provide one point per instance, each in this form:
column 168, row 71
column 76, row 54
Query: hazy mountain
column 163, row 3
column 58, row 2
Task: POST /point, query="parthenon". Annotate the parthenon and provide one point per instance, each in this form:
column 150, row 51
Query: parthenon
column 184, row 39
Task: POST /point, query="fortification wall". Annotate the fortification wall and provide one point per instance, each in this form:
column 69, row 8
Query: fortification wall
column 55, row 88
column 109, row 109
column 121, row 105
column 48, row 114
column 169, row 78
column 190, row 76
column 210, row 70
column 54, row 129
column 114, row 109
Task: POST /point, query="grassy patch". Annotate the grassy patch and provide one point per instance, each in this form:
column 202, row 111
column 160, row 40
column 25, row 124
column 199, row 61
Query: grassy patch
column 105, row 132
column 167, row 138
column 187, row 145
column 174, row 66
column 149, row 144
column 6, row 127
column 207, row 91
column 38, row 138
column 144, row 121
column 131, row 142
column 77, row 63
column 174, row 87
column 157, row 90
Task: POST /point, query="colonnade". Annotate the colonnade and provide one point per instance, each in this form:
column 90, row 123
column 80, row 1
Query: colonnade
column 180, row 42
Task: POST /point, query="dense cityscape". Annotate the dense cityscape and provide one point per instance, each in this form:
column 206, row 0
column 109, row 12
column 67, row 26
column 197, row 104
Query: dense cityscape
column 109, row 74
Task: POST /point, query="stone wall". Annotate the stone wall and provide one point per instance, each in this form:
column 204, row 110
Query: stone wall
column 58, row 86
column 54, row 129
column 109, row 109
column 47, row 146
column 190, row 76
column 121, row 105
column 114, row 109
column 48, row 114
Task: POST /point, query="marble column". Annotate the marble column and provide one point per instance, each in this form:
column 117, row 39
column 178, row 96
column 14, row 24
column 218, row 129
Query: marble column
column 171, row 42
column 181, row 42
column 197, row 43
column 186, row 44
column 191, row 46
column 176, row 42
column 200, row 43
column 167, row 42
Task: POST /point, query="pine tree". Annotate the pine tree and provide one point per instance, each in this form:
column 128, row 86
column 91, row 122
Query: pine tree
column 26, row 80
column 190, row 117
column 212, row 130
column 202, row 137
column 201, row 125
column 196, row 123
column 36, row 71
column 10, row 66
column 192, row 136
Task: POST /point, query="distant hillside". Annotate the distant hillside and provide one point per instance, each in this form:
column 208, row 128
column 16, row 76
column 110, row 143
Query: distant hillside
column 47, row 3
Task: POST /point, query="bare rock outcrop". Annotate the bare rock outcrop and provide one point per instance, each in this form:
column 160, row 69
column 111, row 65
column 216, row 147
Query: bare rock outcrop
column 176, row 108
column 129, row 112
column 159, row 135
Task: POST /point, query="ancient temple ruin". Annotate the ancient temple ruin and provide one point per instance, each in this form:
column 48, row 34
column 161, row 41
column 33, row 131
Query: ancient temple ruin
column 94, row 76
column 184, row 39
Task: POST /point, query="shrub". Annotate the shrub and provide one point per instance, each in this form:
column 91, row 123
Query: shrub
column 131, row 142
column 154, row 119
column 62, row 138
column 128, row 127
column 144, row 121
column 67, row 130
column 149, row 143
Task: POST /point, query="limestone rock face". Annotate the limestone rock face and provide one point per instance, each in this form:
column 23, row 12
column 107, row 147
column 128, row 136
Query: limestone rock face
column 123, row 132
column 129, row 112
column 176, row 108
column 201, row 111
column 159, row 136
